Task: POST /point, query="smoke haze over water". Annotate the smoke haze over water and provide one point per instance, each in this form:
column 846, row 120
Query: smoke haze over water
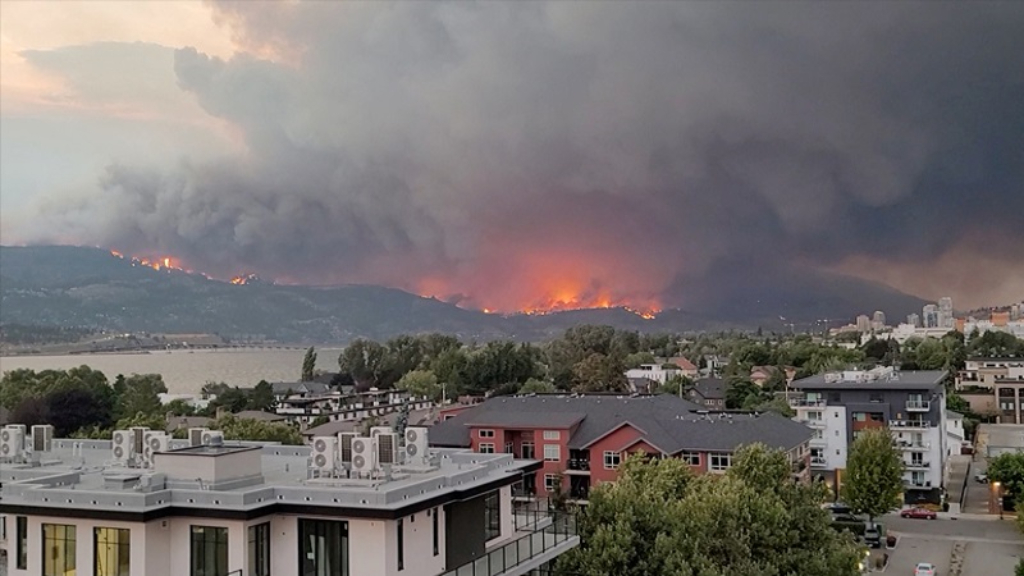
column 510, row 155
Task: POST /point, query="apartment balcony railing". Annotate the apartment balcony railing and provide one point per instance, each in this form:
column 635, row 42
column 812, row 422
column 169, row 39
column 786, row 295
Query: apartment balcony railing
column 819, row 441
column 914, row 446
column 818, row 461
column 579, row 464
column 912, row 483
column 911, row 424
column 918, row 465
column 806, row 402
column 547, row 543
column 918, row 405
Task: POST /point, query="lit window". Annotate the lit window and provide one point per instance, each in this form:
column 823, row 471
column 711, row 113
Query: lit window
column 58, row 550
column 113, row 551
column 551, row 435
column 719, row 462
column 487, row 448
column 552, row 452
column 611, row 460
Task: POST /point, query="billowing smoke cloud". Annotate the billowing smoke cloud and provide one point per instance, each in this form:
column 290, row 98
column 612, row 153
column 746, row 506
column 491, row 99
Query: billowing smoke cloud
column 518, row 153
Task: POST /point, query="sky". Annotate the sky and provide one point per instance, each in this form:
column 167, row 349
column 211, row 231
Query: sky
column 515, row 156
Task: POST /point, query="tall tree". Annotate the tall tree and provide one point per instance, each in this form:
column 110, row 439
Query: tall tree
column 262, row 396
column 874, row 474
column 420, row 383
column 308, row 365
column 658, row 519
column 141, row 395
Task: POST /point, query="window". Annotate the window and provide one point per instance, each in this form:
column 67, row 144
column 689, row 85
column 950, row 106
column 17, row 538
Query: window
column 113, row 551
column 486, row 434
column 691, row 458
column 814, row 415
column 720, row 462
column 552, row 452
column 510, row 448
column 551, row 483
column 492, row 516
column 401, row 545
column 528, row 451
column 611, row 460
column 436, row 533
column 59, row 550
column 487, row 447
column 21, row 529
column 209, row 551
column 259, row 550
column 551, row 435
column 323, row 548
column 860, row 417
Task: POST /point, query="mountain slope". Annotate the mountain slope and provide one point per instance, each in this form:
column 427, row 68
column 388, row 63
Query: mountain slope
column 76, row 286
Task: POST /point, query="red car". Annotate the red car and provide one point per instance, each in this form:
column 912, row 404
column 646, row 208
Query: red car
column 919, row 513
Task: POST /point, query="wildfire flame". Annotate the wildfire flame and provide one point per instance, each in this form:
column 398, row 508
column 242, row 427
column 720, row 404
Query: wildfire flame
column 562, row 296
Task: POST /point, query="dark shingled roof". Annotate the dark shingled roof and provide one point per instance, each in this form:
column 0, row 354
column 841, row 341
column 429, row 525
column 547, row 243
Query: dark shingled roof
column 668, row 422
column 710, row 388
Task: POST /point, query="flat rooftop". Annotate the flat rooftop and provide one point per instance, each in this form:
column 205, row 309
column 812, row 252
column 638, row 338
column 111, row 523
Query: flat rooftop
column 863, row 380
column 78, row 478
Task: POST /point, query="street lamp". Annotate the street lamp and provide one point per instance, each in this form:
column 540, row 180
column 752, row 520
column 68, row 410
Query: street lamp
column 997, row 496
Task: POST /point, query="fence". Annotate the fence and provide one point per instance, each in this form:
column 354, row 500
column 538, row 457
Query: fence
column 525, row 548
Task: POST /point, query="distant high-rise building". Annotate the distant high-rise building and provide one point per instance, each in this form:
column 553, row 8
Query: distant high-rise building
column 930, row 316
column 914, row 320
column 863, row 323
column 879, row 318
column 1015, row 312
column 946, row 319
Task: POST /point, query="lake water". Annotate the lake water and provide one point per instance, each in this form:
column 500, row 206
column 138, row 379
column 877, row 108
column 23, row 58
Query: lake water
column 185, row 372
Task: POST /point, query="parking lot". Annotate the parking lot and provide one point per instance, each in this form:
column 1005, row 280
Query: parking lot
column 989, row 547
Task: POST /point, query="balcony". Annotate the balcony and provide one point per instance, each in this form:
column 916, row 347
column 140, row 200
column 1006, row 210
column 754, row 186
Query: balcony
column 817, row 424
column 818, row 461
column 918, row 465
column 917, row 483
column 918, row 405
column 807, row 402
column 914, row 446
column 578, row 465
column 526, row 552
column 819, row 441
column 910, row 424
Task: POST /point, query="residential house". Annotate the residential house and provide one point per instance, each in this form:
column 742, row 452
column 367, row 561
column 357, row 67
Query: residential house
column 688, row 369
column 984, row 372
column 839, row 405
column 660, row 373
column 350, row 406
column 709, row 393
column 956, row 438
column 582, row 439
column 760, row 375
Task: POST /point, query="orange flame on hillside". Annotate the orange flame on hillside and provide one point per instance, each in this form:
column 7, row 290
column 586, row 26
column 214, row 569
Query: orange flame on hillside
column 244, row 279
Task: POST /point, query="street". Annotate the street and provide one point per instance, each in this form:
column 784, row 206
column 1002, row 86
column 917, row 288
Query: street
column 989, row 547
column 977, row 496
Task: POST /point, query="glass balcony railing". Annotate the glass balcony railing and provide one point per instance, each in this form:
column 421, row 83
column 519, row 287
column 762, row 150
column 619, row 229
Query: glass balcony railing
column 918, row 405
column 559, row 535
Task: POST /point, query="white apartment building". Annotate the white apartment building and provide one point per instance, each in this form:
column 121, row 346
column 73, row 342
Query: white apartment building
column 656, row 372
column 839, row 405
column 383, row 505
column 986, row 371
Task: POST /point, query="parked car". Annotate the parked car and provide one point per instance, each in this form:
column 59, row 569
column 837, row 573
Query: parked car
column 981, row 478
column 924, row 569
column 922, row 513
column 873, row 536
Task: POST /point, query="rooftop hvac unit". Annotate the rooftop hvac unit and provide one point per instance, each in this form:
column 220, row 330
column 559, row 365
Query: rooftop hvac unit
column 12, row 442
column 195, row 436
column 123, row 445
column 364, row 455
column 212, row 437
column 323, row 452
column 416, row 445
column 138, row 438
column 378, row 430
column 345, row 446
column 156, row 442
column 42, row 438
column 387, row 448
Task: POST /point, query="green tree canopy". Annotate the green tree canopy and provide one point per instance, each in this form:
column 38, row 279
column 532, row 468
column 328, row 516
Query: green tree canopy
column 261, row 397
column 660, row 520
column 1008, row 469
column 420, row 383
column 235, row 428
column 874, row 474
column 141, row 394
column 537, row 386
column 308, row 365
